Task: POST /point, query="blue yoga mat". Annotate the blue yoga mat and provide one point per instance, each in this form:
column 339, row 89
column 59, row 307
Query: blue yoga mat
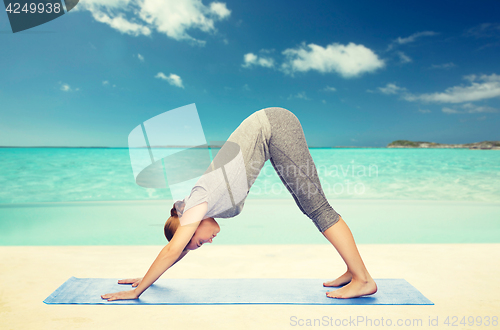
column 232, row 291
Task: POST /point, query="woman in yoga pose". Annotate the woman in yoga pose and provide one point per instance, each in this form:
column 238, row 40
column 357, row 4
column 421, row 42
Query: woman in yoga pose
column 273, row 134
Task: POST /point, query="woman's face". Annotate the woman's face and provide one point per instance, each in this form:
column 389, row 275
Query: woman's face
column 205, row 232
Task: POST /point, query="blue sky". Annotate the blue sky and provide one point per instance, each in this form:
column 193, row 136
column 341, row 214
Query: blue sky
column 360, row 73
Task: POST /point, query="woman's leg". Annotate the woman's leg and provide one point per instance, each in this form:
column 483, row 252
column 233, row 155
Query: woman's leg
column 292, row 161
column 361, row 283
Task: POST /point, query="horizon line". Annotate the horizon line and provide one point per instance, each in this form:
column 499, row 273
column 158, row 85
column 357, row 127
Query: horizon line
column 164, row 147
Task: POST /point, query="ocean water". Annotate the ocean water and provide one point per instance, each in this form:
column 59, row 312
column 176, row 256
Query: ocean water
column 34, row 175
column 51, row 196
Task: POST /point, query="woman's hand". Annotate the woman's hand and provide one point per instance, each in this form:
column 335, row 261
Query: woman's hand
column 122, row 295
column 134, row 281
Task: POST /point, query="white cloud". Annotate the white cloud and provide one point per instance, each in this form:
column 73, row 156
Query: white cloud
column 480, row 88
column 391, row 89
column 172, row 79
column 470, row 108
column 301, row 95
column 170, row 17
column 443, row 66
column 348, row 60
column 67, row 88
column 105, row 82
column 449, row 111
column 329, row 89
column 470, row 77
column 267, row 51
column 220, row 9
column 161, row 75
column 485, row 30
column 404, row 58
column 120, row 23
column 251, row 59
column 246, row 88
column 140, row 57
column 414, row 36
column 410, row 39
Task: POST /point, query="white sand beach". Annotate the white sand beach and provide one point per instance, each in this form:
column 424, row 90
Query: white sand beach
column 461, row 280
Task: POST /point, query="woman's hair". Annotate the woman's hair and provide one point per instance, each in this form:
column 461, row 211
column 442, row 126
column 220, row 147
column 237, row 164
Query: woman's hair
column 172, row 224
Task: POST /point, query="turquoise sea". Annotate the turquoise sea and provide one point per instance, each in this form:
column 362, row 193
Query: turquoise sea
column 44, row 190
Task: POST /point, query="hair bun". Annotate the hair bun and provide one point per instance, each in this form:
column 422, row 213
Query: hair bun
column 177, row 209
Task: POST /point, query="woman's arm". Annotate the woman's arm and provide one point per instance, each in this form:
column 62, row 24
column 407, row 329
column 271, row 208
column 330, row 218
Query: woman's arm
column 136, row 281
column 180, row 257
column 169, row 255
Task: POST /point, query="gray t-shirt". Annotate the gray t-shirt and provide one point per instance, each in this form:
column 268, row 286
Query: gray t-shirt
column 226, row 183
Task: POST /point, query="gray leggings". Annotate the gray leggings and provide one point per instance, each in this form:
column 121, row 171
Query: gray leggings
column 292, row 161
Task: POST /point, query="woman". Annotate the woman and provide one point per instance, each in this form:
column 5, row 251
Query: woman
column 273, row 134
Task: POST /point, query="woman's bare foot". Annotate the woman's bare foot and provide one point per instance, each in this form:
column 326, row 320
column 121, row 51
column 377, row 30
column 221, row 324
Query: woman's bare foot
column 343, row 279
column 356, row 288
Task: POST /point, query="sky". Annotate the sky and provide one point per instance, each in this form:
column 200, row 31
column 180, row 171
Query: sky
column 361, row 73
